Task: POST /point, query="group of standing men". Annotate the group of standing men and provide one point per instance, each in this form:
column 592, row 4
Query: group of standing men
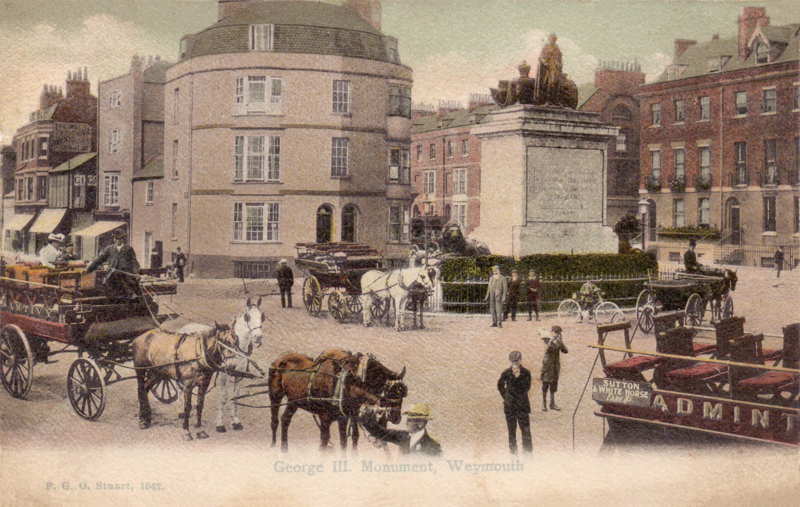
column 503, row 295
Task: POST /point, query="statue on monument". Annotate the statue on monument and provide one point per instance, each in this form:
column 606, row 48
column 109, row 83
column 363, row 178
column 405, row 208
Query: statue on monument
column 551, row 87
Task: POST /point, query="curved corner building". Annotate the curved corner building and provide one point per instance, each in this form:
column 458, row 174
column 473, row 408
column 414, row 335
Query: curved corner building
column 285, row 122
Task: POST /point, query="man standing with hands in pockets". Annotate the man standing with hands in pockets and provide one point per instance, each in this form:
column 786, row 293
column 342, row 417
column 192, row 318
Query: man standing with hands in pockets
column 514, row 384
column 496, row 295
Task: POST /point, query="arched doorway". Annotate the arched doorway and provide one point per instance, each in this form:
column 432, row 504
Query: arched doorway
column 324, row 224
column 732, row 220
column 349, row 222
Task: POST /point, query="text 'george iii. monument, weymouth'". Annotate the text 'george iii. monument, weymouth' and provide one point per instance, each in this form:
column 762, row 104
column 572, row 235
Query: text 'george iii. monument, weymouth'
column 543, row 168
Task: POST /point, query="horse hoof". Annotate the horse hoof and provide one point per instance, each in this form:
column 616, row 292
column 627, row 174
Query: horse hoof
column 143, row 425
column 238, row 426
column 202, row 435
column 221, row 429
column 188, row 437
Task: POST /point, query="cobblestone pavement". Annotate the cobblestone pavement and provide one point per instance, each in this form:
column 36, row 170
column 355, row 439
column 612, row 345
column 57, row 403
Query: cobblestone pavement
column 453, row 365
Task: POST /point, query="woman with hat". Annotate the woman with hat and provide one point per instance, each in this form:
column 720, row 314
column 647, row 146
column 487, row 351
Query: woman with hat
column 413, row 441
column 50, row 253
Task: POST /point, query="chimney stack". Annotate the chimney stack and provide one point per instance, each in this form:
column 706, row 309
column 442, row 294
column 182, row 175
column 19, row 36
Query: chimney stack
column 681, row 45
column 751, row 18
column 78, row 83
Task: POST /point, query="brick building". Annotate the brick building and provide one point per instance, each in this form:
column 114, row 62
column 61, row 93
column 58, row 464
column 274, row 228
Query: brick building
column 59, row 143
column 719, row 140
column 613, row 97
column 446, row 164
column 285, row 122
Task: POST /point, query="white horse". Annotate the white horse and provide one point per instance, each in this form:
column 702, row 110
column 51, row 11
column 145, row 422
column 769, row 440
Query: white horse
column 247, row 329
column 394, row 284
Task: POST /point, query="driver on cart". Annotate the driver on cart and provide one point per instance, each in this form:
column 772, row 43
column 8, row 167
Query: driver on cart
column 690, row 259
column 123, row 269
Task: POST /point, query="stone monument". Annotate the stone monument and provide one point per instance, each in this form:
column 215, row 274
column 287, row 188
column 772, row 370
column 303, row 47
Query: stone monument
column 543, row 167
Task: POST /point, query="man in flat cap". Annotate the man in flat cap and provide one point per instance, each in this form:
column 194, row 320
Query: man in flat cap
column 52, row 251
column 415, row 440
column 551, row 367
column 514, row 384
column 123, row 268
column 285, row 282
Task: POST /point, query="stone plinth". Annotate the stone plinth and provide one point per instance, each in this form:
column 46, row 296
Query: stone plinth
column 543, row 182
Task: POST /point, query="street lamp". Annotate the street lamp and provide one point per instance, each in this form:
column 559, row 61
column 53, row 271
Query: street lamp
column 644, row 205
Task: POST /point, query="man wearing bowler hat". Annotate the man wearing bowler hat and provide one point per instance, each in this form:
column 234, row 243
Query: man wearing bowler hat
column 123, row 268
column 413, row 441
column 514, row 384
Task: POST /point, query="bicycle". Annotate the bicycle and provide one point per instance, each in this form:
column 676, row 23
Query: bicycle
column 602, row 312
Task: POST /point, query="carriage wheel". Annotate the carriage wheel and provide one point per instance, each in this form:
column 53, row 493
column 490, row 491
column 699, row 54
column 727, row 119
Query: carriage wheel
column 16, row 361
column 337, row 306
column 569, row 310
column 727, row 308
column 617, row 317
column 86, row 389
column 312, row 295
column 167, row 390
column 645, row 298
column 604, row 314
column 379, row 308
column 354, row 305
column 694, row 310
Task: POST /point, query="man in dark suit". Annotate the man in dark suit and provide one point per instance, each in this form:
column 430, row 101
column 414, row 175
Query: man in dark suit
column 180, row 264
column 514, row 384
column 123, row 268
column 285, row 283
column 413, row 441
column 690, row 258
column 551, row 366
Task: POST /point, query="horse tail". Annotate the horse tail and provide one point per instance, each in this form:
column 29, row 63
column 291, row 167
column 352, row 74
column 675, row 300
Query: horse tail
column 274, row 382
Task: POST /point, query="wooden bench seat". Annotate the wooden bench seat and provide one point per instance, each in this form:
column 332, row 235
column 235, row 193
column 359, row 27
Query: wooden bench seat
column 779, row 383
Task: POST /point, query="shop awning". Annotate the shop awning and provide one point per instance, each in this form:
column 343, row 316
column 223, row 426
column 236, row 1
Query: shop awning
column 99, row 228
column 48, row 220
column 18, row 222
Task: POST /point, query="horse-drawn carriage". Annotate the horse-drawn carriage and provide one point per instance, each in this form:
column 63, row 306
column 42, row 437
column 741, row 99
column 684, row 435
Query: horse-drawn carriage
column 40, row 305
column 690, row 292
column 335, row 270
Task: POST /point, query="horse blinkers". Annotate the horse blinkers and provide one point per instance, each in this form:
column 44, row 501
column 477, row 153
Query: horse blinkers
column 392, row 399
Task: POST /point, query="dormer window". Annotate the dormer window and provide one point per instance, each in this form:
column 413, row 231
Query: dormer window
column 762, row 53
column 713, row 65
column 261, row 37
column 675, row 71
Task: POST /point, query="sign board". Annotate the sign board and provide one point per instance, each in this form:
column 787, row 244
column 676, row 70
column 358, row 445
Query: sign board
column 622, row 392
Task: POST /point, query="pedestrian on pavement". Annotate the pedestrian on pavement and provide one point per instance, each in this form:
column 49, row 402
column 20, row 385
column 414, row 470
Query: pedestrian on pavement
column 415, row 440
column 496, row 295
column 551, row 366
column 285, row 283
column 513, row 296
column 180, row 263
column 779, row 260
column 533, row 288
column 514, row 384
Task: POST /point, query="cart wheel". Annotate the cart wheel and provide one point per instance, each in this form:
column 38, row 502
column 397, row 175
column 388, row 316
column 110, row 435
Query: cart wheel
column 727, row 308
column 645, row 298
column 604, row 313
column 354, row 305
column 167, row 390
column 86, row 389
column 312, row 295
column 617, row 317
column 569, row 310
column 694, row 310
column 337, row 306
column 16, row 361
column 645, row 318
column 380, row 307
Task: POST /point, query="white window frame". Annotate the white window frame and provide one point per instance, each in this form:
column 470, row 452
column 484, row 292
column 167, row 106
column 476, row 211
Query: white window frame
column 655, row 156
column 399, row 224
column 680, row 111
column 704, row 152
column 111, row 190
column 149, row 192
column 340, row 147
column 678, row 212
column 761, row 51
column 460, row 214
column 114, row 99
column 256, row 222
column 459, row 182
column 705, row 108
column 740, row 106
column 429, row 182
column 769, row 101
column 704, row 211
column 622, row 142
column 464, row 147
column 174, row 221
column 261, row 37
column 655, row 114
column 399, row 166
column 113, row 141
column 770, row 213
column 341, row 97
column 258, row 95
column 451, row 148
column 679, row 161
column 770, row 161
column 400, row 101
column 175, row 150
column 43, row 146
column 256, row 158
column 714, row 65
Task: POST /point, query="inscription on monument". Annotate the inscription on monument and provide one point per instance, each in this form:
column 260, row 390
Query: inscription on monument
column 564, row 185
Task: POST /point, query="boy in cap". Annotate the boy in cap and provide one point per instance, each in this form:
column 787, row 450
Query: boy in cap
column 514, row 384
column 285, row 282
column 551, row 367
column 413, row 441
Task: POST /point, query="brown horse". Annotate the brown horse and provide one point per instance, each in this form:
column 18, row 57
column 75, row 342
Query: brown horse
column 379, row 381
column 326, row 387
column 160, row 355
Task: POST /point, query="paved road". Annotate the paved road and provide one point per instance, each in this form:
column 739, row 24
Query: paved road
column 453, row 365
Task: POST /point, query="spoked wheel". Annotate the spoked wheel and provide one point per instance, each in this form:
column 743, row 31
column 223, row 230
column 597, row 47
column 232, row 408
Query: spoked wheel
column 86, row 389
column 380, row 307
column 604, row 314
column 167, row 390
column 354, row 304
column 16, row 361
column 694, row 310
column 727, row 308
column 569, row 310
column 312, row 295
column 337, row 306
column 645, row 310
